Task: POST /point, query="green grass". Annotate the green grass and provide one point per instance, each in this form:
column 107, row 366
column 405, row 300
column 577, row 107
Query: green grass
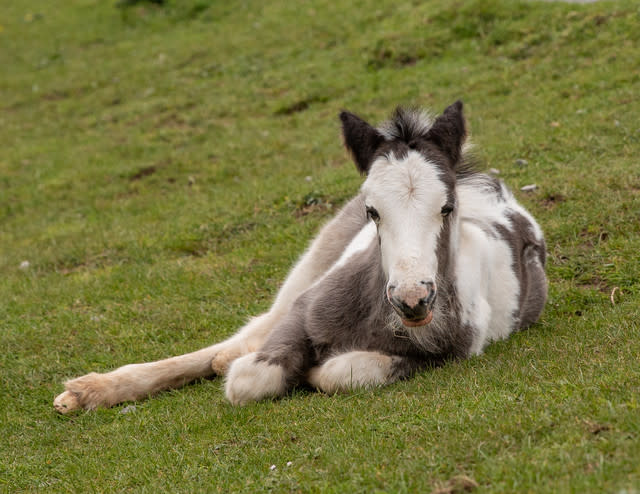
column 154, row 173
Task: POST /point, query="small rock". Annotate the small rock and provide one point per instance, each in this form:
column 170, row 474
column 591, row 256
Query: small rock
column 24, row 265
column 521, row 162
column 308, row 178
column 529, row 188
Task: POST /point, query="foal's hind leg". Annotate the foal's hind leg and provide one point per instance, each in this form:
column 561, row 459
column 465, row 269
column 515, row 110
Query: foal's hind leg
column 134, row 381
column 361, row 369
column 137, row 381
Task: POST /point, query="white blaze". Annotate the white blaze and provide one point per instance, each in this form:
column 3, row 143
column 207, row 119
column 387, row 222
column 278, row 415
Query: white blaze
column 408, row 195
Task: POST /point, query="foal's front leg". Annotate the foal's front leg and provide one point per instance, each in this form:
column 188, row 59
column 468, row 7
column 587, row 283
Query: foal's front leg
column 361, row 369
column 324, row 251
column 279, row 365
column 252, row 378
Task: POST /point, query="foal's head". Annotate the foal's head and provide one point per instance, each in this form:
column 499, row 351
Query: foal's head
column 409, row 192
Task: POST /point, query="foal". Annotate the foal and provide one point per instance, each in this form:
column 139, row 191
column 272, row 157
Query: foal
column 430, row 261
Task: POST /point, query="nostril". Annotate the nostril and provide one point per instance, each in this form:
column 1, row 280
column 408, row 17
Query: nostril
column 431, row 293
column 428, row 300
column 429, row 284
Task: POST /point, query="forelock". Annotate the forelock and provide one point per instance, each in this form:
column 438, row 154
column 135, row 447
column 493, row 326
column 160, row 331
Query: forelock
column 406, row 124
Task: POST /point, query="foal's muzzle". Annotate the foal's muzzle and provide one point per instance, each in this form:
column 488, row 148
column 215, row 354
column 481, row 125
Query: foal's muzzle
column 414, row 304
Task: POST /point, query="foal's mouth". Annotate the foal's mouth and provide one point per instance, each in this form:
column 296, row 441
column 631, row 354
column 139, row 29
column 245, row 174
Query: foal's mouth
column 415, row 323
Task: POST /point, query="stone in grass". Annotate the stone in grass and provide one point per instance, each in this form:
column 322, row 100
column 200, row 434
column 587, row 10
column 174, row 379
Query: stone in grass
column 521, row 163
column 529, row 188
column 24, row 265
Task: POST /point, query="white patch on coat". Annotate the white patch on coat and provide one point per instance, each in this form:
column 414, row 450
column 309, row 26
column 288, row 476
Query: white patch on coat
column 359, row 369
column 487, row 285
column 408, row 195
column 359, row 244
column 251, row 380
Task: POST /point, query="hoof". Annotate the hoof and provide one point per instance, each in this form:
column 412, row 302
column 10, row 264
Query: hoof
column 66, row 402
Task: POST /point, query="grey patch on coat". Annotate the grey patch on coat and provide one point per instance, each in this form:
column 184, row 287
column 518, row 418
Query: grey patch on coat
column 529, row 260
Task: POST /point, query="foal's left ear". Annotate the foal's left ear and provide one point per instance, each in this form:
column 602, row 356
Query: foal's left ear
column 361, row 139
column 449, row 131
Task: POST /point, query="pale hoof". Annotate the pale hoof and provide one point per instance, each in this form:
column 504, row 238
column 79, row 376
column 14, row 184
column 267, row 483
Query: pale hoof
column 66, row 402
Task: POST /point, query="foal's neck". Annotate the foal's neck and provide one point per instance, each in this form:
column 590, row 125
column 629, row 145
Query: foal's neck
column 447, row 290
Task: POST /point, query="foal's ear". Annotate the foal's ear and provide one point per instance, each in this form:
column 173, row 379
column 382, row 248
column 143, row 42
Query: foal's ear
column 361, row 139
column 449, row 131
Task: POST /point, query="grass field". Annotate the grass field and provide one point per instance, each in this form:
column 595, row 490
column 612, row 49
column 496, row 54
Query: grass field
column 161, row 167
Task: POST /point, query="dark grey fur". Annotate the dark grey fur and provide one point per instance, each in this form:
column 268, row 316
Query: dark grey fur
column 529, row 259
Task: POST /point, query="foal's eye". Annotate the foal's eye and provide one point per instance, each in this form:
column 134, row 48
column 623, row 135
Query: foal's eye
column 446, row 210
column 372, row 214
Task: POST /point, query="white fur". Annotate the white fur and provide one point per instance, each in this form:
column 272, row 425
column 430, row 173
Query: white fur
column 402, row 190
column 487, row 286
column 251, row 380
column 351, row 370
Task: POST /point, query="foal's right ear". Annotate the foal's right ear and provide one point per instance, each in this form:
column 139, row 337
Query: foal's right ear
column 361, row 139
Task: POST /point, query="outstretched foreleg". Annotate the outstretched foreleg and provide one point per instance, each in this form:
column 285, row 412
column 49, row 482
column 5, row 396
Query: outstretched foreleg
column 361, row 369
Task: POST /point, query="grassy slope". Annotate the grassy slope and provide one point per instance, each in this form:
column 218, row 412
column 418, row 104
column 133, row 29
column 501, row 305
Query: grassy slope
column 153, row 173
